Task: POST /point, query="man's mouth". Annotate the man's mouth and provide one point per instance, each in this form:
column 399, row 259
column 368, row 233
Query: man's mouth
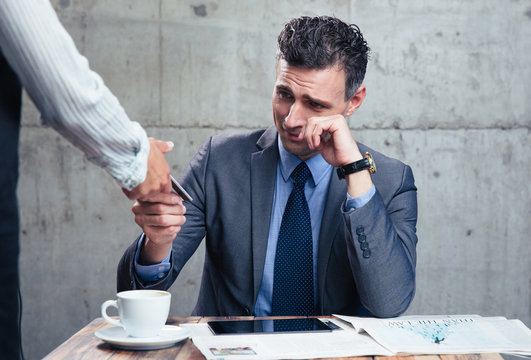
column 294, row 135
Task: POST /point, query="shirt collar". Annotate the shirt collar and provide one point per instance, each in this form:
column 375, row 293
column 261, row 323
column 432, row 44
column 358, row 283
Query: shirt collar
column 319, row 168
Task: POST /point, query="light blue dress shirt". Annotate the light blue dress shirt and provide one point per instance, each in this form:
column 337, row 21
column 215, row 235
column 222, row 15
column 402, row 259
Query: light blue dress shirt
column 151, row 273
column 316, row 190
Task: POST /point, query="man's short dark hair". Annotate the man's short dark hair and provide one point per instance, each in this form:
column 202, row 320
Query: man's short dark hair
column 322, row 42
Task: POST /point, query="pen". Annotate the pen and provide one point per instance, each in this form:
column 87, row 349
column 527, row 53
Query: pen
column 177, row 188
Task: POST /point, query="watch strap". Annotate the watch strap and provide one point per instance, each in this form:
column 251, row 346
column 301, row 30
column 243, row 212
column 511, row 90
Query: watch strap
column 364, row 164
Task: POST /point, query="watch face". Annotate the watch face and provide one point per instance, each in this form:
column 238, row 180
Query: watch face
column 372, row 167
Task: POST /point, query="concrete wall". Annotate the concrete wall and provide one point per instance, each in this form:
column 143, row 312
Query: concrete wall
column 448, row 93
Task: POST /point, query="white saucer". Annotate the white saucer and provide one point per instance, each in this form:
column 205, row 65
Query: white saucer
column 169, row 335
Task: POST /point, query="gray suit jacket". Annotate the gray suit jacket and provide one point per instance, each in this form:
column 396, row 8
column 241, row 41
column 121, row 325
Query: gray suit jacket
column 232, row 180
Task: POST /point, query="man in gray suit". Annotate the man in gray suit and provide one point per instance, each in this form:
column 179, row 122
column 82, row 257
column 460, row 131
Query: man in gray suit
column 360, row 224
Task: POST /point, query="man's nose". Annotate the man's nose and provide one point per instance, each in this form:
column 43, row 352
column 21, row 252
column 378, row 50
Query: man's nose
column 295, row 116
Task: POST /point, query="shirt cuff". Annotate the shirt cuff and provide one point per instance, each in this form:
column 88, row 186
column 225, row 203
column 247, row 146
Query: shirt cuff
column 357, row 202
column 133, row 175
column 151, row 273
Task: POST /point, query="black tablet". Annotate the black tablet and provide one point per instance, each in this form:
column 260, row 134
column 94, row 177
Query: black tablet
column 270, row 326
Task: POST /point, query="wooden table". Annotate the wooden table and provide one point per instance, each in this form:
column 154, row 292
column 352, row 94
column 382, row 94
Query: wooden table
column 84, row 345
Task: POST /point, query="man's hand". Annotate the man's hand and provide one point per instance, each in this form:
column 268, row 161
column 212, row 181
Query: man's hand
column 332, row 137
column 158, row 173
column 160, row 217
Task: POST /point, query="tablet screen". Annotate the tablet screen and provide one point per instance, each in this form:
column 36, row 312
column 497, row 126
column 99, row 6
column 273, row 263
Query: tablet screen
column 269, row 326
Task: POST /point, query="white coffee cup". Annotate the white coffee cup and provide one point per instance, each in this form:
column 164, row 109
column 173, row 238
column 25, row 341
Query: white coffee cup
column 142, row 313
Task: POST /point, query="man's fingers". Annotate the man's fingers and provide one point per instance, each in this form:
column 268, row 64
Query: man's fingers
column 316, row 135
column 168, row 198
column 158, row 209
column 320, row 130
column 164, row 146
column 313, row 131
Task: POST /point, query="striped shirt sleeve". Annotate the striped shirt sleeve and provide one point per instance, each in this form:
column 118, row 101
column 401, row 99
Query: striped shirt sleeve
column 70, row 96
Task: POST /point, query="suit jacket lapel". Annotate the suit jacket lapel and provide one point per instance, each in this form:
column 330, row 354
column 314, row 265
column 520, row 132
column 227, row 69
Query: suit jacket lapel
column 263, row 174
column 329, row 226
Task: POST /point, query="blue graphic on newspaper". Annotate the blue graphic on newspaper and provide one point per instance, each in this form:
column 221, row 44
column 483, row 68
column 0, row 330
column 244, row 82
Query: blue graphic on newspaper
column 435, row 331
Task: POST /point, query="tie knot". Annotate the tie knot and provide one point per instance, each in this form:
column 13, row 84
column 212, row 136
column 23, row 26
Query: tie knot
column 300, row 174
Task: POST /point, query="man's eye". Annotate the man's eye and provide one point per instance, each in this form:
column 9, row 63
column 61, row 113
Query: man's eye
column 316, row 105
column 284, row 95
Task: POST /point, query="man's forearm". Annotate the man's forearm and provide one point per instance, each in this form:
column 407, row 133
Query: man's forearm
column 358, row 183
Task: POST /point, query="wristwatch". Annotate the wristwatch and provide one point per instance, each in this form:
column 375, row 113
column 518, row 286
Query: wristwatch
column 364, row 164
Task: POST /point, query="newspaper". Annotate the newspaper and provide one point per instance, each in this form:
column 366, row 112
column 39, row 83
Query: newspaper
column 448, row 334
column 440, row 334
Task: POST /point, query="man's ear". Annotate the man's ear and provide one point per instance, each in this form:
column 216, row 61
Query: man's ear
column 355, row 101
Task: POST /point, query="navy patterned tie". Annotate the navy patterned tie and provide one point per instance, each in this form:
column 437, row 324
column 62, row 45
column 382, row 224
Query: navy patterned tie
column 293, row 276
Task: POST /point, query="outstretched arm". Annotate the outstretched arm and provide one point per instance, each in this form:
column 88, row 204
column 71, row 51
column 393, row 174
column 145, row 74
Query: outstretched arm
column 72, row 98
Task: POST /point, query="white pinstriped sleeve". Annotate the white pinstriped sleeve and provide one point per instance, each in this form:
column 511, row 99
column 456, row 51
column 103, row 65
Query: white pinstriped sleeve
column 71, row 98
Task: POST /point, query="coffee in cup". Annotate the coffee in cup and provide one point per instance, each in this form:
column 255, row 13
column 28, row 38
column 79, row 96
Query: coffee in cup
column 142, row 313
